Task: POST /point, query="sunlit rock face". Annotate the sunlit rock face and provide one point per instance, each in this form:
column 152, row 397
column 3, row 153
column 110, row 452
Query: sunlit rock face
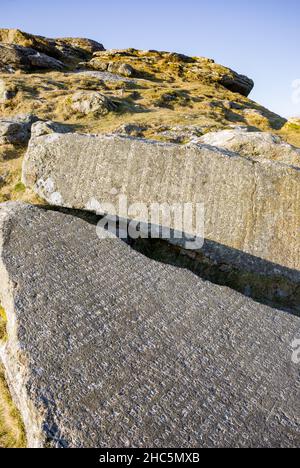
column 102, row 339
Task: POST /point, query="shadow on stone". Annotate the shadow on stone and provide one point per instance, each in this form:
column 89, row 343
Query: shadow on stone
column 265, row 282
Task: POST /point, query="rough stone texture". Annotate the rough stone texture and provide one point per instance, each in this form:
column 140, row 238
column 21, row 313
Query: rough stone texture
column 65, row 49
column 104, row 75
column 251, row 207
column 91, row 102
column 16, row 130
column 182, row 134
column 119, row 68
column 254, row 144
column 107, row 348
column 237, row 83
column 77, row 47
column 46, row 127
column 14, row 57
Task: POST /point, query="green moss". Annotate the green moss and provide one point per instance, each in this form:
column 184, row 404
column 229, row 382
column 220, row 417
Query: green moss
column 19, row 187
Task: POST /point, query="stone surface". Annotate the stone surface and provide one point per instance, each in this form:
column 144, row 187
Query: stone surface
column 46, row 127
column 118, row 68
column 182, row 134
column 76, row 47
column 251, row 207
column 14, row 57
column 104, row 75
column 16, row 130
column 107, row 348
column 91, row 102
column 237, row 83
column 65, row 49
column 254, row 144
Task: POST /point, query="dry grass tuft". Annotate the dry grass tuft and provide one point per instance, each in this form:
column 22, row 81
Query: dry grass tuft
column 12, row 433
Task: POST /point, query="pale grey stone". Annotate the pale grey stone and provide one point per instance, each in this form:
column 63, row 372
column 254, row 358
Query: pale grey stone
column 46, row 127
column 66, row 49
column 14, row 57
column 104, row 76
column 16, row 130
column 251, row 207
column 91, row 102
column 107, row 348
column 121, row 69
column 254, row 144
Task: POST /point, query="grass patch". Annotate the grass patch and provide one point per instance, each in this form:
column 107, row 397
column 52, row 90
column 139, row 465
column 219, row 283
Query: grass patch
column 12, row 432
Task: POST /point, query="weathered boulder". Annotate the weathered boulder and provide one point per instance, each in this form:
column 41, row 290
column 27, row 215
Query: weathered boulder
column 121, row 69
column 91, row 102
column 118, row 68
column 107, row 348
column 41, row 127
column 251, row 206
column 76, row 47
column 16, row 130
column 65, row 49
column 254, row 144
column 14, row 57
column 237, row 83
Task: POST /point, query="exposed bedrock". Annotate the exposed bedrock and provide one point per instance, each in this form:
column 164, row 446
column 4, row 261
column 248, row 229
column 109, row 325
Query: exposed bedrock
column 17, row 45
column 259, row 145
column 252, row 216
column 14, row 57
column 107, row 348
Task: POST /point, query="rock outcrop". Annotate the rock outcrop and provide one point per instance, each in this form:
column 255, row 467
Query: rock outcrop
column 40, row 128
column 64, row 49
column 107, row 348
column 118, row 68
column 254, row 144
column 132, row 62
column 14, row 57
column 250, row 206
column 237, row 83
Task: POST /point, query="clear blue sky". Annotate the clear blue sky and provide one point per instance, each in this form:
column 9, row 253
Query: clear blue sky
column 260, row 38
